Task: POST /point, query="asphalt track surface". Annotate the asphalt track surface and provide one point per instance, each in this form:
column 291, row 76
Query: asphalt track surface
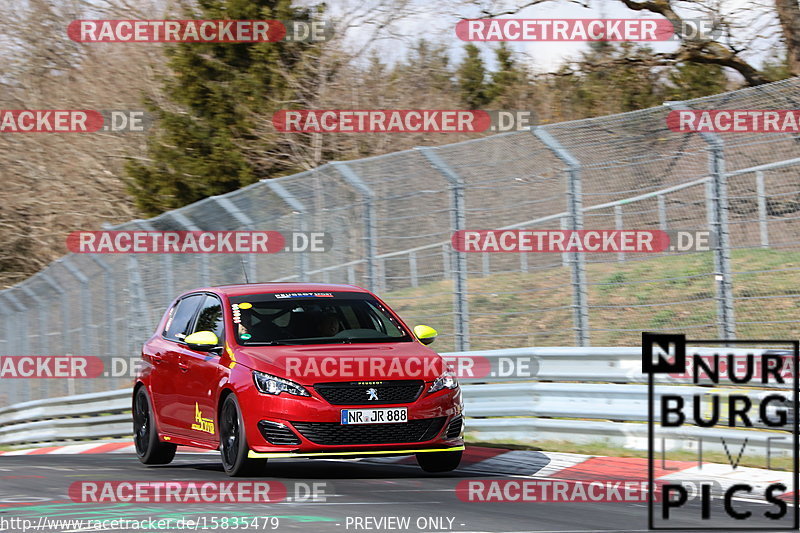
column 33, row 487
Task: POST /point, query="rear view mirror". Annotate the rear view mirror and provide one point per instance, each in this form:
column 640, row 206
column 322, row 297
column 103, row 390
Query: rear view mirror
column 202, row 341
column 425, row 334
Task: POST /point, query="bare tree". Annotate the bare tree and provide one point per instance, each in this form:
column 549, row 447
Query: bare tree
column 738, row 29
column 55, row 183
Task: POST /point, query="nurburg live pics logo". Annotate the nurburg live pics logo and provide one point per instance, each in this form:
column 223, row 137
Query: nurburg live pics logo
column 678, row 415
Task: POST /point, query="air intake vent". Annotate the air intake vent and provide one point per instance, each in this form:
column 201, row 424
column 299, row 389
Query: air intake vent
column 454, row 428
column 277, row 434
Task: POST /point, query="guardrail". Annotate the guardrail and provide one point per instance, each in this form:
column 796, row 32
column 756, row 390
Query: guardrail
column 577, row 394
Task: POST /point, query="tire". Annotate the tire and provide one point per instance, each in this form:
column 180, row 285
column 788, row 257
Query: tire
column 149, row 449
column 437, row 462
column 233, row 442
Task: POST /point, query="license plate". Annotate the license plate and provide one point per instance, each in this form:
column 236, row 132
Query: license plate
column 388, row 415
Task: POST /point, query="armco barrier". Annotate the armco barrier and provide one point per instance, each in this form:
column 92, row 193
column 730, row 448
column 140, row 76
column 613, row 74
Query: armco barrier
column 564, row 401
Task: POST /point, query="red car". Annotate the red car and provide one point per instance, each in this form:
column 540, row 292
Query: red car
column 274, row 370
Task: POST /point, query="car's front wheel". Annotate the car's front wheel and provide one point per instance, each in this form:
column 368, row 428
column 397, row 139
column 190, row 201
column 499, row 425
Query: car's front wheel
column 149, row 449
column 233, row 442
column 435, row 462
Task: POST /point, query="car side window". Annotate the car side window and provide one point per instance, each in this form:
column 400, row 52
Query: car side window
column 210, row 317
column 180, row 319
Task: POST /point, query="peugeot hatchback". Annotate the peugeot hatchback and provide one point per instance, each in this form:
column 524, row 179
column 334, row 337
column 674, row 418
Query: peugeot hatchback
column 275, row 370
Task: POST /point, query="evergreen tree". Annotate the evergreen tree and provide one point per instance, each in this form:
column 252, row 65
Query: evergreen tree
column 204, row 132
column 608, row 78
column 509, row 82
column 474, row 91
column 776, row 68
column 427, row 68
column 694, row 80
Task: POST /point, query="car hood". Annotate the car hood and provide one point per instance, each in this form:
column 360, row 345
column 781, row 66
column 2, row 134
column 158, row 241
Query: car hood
column 344, row 362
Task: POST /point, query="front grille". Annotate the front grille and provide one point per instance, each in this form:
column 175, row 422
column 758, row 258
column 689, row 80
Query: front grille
column 359, row 393
column 277, row 434
column 454, row 428
column 334, row 433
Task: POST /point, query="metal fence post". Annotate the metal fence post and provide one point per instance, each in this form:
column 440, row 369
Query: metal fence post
column 762, row 209
column 575, row 208
column 726, row 321
column 618, row 226
column 9, row 331
column 370, row 227
column 709, row 191
column 447, row 268
column 247, row 223
column 380, row 275
column 722, row 253
column 136, row 294
column 108, row 282
column 40, row 384
column 183, row 220
column 11, row 387
column 458, row 222
column 412, row 269
column 111, row 292
column 167, row 270
column 24, row 349
column 662, row 212
column 65, row 309
column 299, row 214
column 22, row 335
column 42, row 315
column 86, row 304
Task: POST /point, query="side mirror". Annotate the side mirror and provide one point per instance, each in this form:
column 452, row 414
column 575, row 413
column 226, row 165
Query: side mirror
column 202, row 341
column 425, row 334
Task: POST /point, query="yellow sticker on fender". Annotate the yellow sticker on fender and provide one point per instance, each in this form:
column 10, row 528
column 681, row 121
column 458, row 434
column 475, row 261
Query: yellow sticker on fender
column 231, row 355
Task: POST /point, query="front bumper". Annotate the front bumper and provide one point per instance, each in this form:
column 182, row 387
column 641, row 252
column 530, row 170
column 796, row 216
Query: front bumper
column 351, row 454
column 286, row 410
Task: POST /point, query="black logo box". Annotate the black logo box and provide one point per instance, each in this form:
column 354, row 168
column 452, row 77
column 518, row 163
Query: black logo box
column 665, row 366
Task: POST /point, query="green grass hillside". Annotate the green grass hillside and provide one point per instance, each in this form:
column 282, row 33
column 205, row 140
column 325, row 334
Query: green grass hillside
column 671, row 292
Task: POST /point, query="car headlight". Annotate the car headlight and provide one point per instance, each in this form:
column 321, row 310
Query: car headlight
column 270, row 384
column 445, row 381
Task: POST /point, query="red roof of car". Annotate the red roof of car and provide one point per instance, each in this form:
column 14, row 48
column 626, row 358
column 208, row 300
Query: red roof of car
column 264, row 288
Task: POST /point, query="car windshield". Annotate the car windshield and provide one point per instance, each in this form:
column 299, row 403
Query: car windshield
column 313, row 318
